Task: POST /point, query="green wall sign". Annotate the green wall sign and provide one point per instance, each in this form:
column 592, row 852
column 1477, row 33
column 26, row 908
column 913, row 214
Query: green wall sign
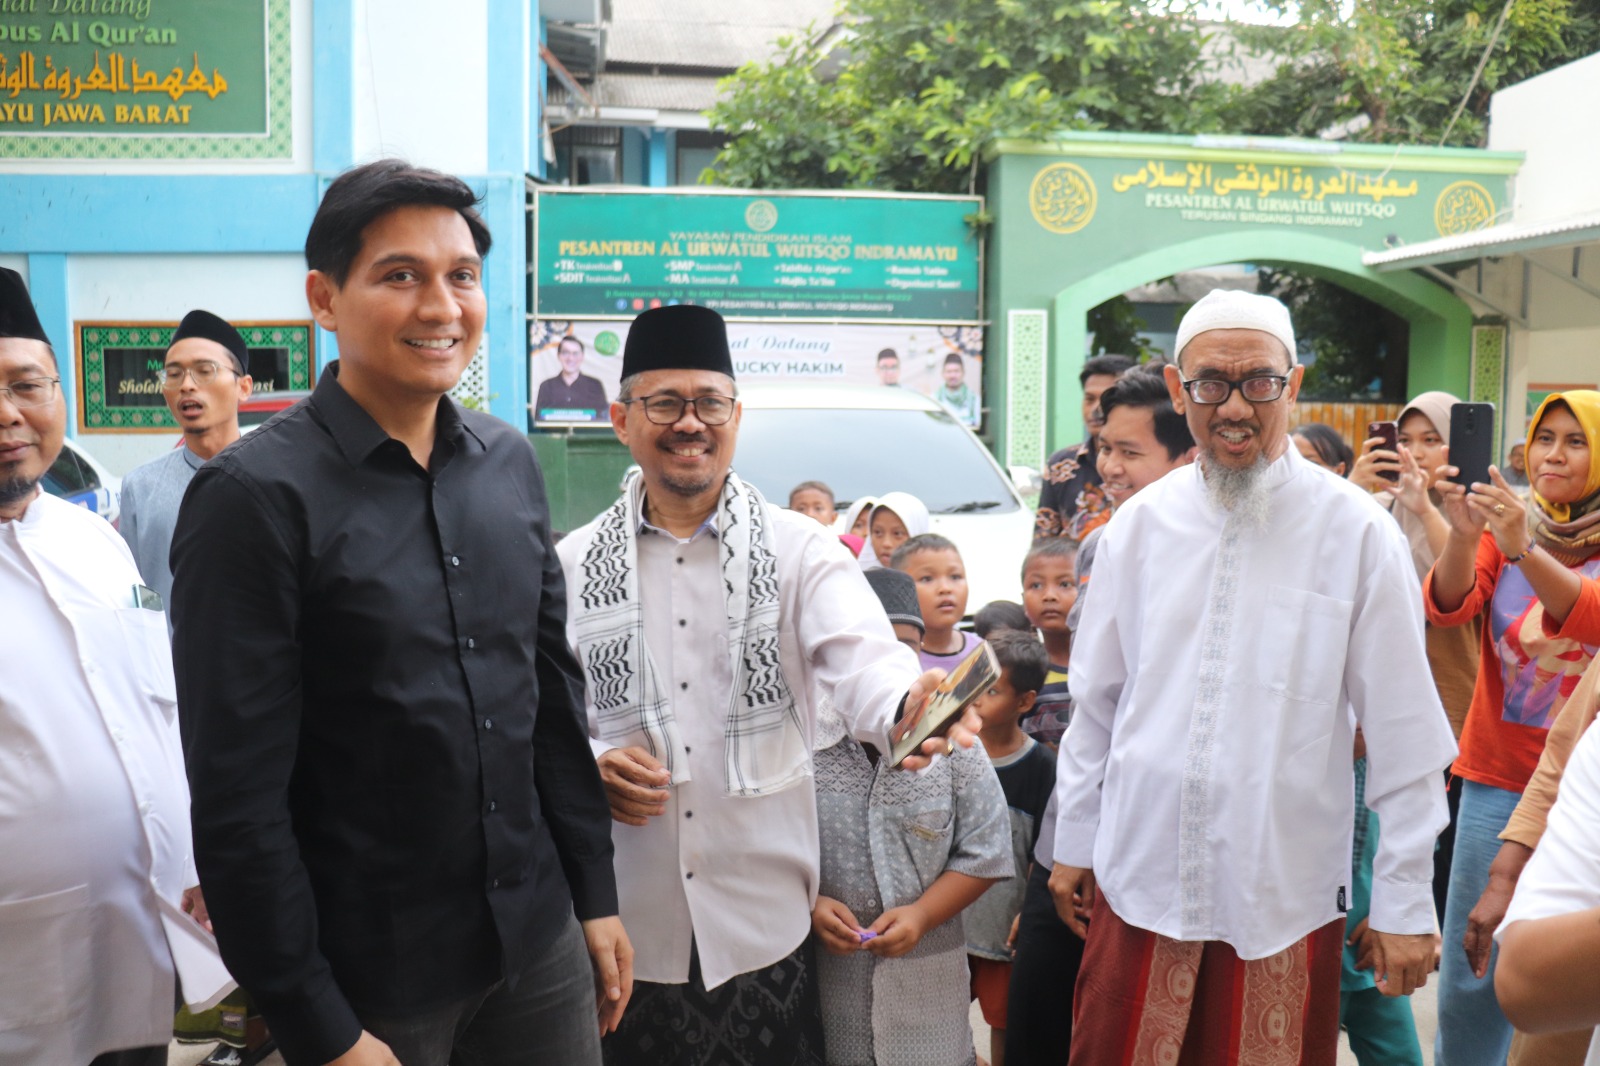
column 841, row 257
column 1082, row 217
column 119, row 361
column 148, row 79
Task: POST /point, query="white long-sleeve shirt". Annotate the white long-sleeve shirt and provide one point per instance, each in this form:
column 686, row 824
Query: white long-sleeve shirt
column 1563, row 876
column 737, row 877
column 94, row 805
column 1206, row 776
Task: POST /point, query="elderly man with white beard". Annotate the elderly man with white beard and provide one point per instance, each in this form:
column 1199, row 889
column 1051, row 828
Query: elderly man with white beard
column 1205, row 784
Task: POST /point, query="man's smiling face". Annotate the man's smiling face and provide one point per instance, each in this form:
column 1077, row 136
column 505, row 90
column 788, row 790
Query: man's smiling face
column 410, row 313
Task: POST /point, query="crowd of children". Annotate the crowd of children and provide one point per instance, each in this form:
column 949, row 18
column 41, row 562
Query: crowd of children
column 921, row 902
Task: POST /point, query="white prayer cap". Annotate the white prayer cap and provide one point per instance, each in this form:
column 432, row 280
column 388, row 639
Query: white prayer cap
column 1232, row 309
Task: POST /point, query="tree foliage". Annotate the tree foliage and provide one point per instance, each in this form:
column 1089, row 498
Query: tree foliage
column 1396, row 71
column 927, row 84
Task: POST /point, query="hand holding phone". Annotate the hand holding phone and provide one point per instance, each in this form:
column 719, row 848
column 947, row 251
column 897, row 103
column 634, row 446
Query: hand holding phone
column 1471, row 442
column 1389, row 434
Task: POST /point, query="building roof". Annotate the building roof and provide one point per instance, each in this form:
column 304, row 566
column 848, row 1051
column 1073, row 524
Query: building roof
column 1507, row 238
column 718, row 35
column 662, row 92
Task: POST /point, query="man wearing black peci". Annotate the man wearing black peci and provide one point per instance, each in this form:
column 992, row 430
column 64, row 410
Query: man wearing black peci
column 400, row 830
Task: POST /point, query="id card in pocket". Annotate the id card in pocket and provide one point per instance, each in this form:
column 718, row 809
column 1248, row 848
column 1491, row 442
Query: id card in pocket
column 147, row 599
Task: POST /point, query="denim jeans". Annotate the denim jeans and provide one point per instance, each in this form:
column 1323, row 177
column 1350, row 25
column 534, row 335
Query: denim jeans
column 548, row 1017
column 1472, row 1031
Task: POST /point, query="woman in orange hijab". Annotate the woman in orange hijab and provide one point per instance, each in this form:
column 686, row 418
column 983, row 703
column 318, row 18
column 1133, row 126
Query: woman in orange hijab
column 1529, row 569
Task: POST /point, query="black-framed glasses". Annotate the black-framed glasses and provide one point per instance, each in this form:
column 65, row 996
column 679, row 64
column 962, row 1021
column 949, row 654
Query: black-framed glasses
column 1258, row 388
column 664, row 409
column 30, row 392
column 171, row 377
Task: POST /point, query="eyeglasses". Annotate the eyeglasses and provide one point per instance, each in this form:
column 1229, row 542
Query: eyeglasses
column 1261, row 388
column 667, row 410
column 171, row 377
column 30, row 392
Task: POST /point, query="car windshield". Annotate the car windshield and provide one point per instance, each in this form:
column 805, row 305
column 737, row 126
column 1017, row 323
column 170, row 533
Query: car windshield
column 870, row 453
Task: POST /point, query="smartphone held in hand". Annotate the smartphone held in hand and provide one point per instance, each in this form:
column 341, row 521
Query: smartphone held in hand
column 1389, row 433
column 1471, row 442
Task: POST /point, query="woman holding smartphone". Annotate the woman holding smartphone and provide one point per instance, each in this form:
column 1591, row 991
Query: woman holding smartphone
column 1528, row 570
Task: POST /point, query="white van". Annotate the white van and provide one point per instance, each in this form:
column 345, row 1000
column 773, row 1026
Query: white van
column 871, row 440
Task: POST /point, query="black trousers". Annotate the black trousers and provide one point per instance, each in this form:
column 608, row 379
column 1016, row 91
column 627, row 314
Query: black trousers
column 1043, row 973
column 1446, row 846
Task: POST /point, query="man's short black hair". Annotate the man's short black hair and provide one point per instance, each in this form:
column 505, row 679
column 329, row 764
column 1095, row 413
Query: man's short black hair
column 954, row 357
column 570, row 337
column 1022, row 659
column 888, row 353
column 360, row 196
column 923, row 542
column 998, row 616
column 1105, row 364
column 1145, row 387
column 1050, row 548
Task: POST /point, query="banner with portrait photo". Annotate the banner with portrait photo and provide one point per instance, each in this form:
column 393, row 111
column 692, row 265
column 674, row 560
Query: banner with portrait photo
column 576, row 366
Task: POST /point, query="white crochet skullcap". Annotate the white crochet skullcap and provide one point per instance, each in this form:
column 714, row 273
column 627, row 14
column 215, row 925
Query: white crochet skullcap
column 1232, row 309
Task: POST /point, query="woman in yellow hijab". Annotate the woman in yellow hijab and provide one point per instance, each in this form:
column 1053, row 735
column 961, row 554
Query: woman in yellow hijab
column 1531, row 571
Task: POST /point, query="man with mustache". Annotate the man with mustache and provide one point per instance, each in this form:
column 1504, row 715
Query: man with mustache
column 1205, row 812
column 95, row 858
column 204, row 378
column 706, row 623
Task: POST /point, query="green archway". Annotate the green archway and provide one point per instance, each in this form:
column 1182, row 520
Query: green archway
column 1084, row 217
column 1441, row 324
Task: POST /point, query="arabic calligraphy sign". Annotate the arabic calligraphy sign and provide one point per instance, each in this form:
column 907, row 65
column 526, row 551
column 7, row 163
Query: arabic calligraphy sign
column 194, row 70
column 1405, row 204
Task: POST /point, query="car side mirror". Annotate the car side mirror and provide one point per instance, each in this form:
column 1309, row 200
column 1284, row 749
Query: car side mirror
column 1027, row 480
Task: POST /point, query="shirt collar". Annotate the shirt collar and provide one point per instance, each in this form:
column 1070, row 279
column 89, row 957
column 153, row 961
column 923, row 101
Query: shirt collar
column 356, row 432
column 708, row 527
column 194, row 461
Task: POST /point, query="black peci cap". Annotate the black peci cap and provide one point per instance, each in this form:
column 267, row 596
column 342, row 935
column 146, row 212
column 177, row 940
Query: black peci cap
column 208, row 326
column 17, row 316
column 681, row 337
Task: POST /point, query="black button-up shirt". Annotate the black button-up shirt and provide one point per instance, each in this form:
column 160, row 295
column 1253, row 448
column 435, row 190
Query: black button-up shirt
column 394, row 798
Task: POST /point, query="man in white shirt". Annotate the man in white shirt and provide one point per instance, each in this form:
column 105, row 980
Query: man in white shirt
column 707, row 622
column 1241, row 609
column 94, row 809
column 204, row 378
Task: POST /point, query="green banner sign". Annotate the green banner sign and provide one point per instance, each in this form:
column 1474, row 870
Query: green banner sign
column 1186, row 197
column 769, row 255
column 144, row 78
column 121, row 362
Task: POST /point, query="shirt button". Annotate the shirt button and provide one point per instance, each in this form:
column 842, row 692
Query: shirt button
column 688, row 877
column 488, row 723
column 872, row 904
column 681, row 622
column 493, row 805
column 685, row 685
column 495, row 883
column 688, row 814
column 680, row 558
column 687, row 749
column 455, row 560
column 471, row 643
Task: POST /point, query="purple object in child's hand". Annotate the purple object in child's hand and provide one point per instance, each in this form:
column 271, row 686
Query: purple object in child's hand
column 865, row 935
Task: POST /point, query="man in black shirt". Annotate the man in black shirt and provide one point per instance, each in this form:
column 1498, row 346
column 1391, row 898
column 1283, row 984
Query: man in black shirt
column 398, row 821
column 1071, row 503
